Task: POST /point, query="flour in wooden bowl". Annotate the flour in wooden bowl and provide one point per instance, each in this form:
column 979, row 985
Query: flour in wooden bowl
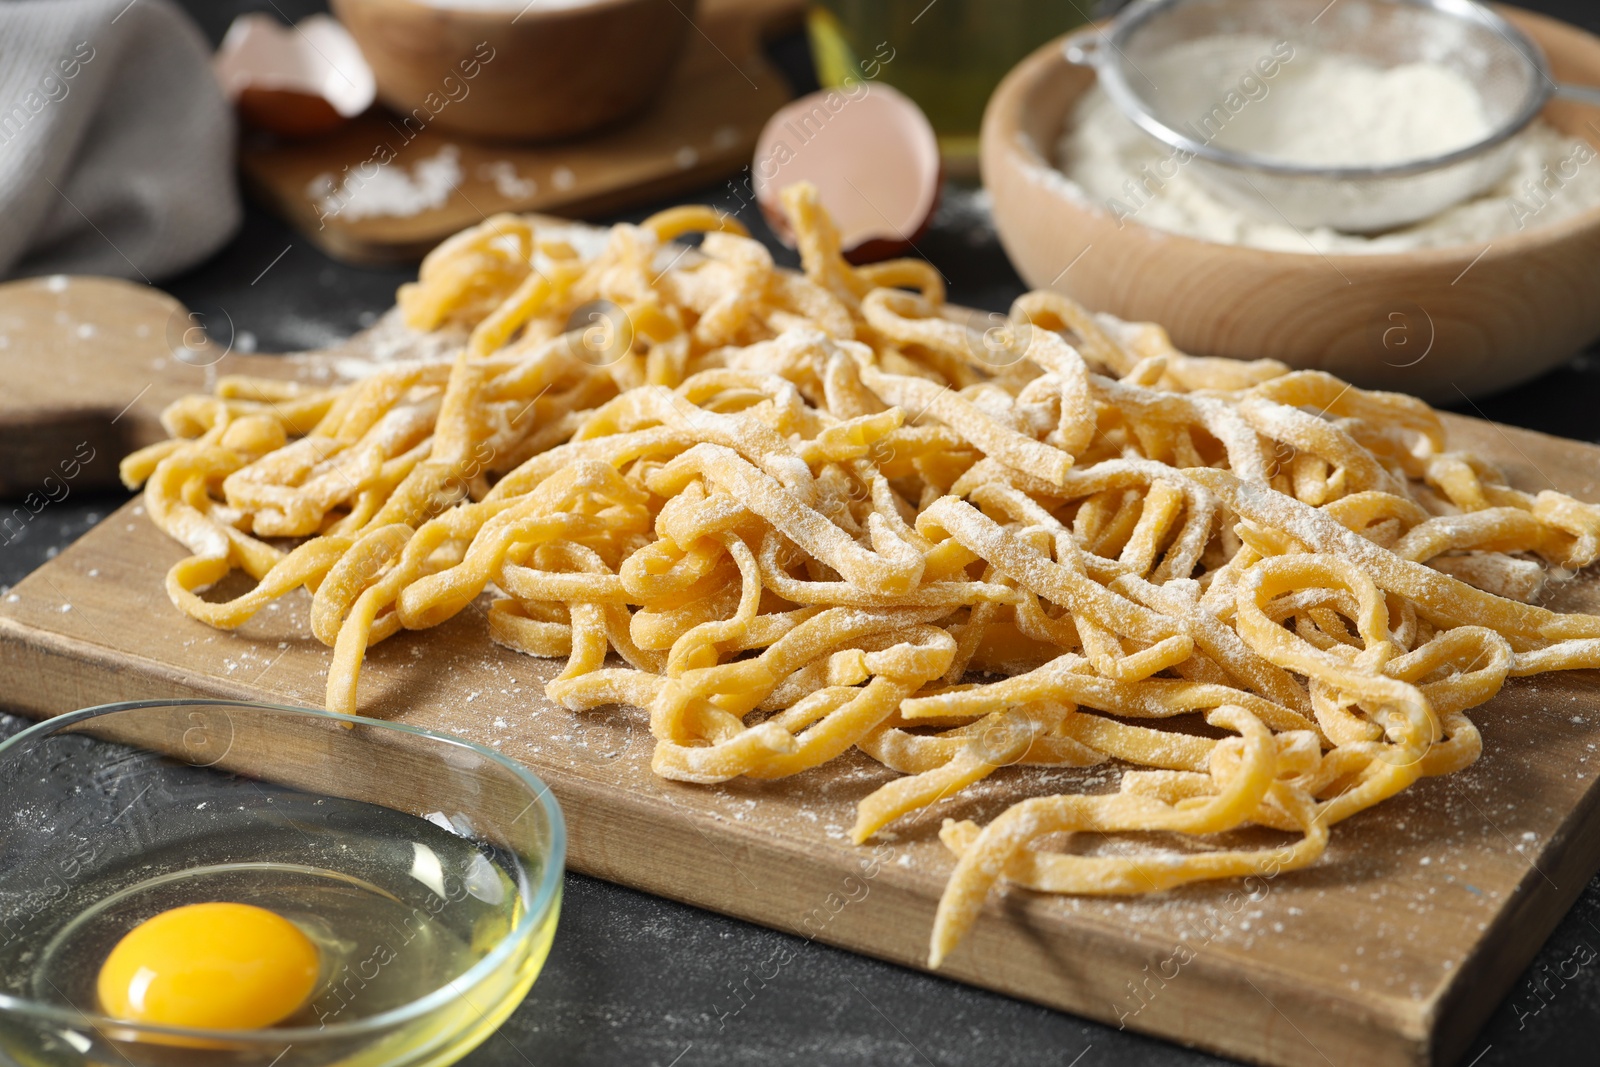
column 1318, row 108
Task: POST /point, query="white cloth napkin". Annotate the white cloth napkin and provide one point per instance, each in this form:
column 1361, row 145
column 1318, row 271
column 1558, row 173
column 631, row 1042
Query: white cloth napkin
column 116, row 144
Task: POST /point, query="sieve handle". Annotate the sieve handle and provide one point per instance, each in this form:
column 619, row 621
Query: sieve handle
column 1583, row 94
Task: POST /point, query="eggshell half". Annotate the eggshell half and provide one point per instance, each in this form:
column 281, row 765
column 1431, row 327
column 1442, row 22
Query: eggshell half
column 873, row 157
column 294, row 80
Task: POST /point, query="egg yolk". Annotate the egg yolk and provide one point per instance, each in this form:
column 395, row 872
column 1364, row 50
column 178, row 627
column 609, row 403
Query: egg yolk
column 215, row 966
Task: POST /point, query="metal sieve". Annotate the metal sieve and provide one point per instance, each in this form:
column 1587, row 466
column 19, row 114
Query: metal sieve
column 1507, row 68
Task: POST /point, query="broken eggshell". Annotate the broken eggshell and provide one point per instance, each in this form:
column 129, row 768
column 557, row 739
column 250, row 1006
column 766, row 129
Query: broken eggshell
column 873, row 157
column 293, row 80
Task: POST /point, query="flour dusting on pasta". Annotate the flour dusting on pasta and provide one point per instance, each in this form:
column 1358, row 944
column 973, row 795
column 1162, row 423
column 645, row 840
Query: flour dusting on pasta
column 791, row 514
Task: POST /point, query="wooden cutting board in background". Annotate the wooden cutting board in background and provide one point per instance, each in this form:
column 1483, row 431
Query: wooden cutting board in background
column 88, row 364
column 1393, row 950
column 703, row 127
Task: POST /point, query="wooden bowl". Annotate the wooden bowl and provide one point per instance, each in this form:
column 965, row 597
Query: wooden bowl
column 1440, row 323
column 510, row 72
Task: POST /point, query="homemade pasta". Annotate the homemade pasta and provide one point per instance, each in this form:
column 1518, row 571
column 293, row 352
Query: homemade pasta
column 791, row 514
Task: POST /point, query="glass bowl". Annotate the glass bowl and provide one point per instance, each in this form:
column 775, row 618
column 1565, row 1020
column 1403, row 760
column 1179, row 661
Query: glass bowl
column 427, row 870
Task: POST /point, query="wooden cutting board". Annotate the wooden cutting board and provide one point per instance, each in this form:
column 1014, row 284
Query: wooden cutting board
column 89, row 363
column 702, row 127
column 1393, row 950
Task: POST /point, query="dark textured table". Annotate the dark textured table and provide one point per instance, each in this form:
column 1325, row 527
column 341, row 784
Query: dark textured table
column 639, row 980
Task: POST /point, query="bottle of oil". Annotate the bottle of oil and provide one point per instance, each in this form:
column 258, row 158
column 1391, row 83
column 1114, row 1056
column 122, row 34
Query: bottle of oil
column 947, row 55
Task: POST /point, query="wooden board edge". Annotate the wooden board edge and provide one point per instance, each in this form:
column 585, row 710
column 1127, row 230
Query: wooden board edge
column 1488, row 976
column 1470, row 423
column 32, row 449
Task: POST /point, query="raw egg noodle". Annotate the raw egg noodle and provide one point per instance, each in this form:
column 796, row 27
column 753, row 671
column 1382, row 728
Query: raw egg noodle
column 794, row 513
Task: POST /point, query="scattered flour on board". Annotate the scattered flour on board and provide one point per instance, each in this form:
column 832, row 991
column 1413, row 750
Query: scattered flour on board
column 507, row 182
column 391, row 190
